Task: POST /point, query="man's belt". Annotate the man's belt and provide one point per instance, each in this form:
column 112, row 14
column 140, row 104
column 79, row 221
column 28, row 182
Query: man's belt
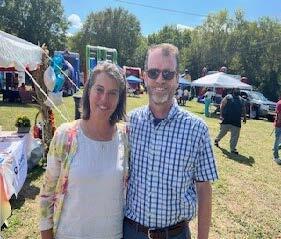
column 159, row 233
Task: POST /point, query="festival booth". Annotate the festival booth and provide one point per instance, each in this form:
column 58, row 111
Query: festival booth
column 184, row 83
column 19, row 55
column 133, row 83
column 15, row 55
column 133, row 79
column 220, row 80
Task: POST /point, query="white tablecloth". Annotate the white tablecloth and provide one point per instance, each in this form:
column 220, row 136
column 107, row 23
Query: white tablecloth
column 13, row 160
column 13, row 168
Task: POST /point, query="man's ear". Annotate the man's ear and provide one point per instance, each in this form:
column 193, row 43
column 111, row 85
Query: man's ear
column 178, row 78
column 145, row 78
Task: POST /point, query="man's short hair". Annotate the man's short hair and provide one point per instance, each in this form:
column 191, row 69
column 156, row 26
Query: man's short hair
column 167, row 50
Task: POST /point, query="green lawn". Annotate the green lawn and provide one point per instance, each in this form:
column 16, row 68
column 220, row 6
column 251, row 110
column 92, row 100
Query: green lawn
column 246, row 198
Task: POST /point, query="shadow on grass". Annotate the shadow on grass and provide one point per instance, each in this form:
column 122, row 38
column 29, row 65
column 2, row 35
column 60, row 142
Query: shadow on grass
column 16, row 104
column 212, row 115
column 238, row 158
column 28, row 191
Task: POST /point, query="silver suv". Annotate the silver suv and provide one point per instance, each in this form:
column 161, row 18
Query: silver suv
column 257, row 105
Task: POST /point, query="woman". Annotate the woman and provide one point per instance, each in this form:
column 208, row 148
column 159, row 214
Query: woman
column 82, row 195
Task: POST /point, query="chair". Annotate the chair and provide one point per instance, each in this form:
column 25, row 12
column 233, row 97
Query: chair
column 25, row 97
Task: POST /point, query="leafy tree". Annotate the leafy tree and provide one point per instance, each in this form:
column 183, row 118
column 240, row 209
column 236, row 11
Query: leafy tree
column 257, row 53
column 193, row 56
column 139, row 55
column 170, row 34
column 214, row 35
column 114, row 28
column 37, row 21
column 270, row 67
column 249, row 49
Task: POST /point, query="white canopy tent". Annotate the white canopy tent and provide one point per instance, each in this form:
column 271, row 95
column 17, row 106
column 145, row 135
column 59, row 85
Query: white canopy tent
column 21, row 55
column 16, row 53
column 220, row 80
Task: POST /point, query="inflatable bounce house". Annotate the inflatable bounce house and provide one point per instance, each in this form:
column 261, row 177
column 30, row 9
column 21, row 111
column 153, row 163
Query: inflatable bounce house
column 96, row 54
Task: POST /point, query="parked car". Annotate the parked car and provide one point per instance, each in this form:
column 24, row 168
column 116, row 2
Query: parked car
column 257, row 105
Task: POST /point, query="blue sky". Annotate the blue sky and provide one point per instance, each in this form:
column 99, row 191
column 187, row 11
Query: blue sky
column 189, row 13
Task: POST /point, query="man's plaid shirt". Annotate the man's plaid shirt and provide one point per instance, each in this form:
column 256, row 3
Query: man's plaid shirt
column 165, row 162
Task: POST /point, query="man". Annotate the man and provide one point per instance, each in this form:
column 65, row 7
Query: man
column 231, row 109
column 277, row 124
column 171, row 159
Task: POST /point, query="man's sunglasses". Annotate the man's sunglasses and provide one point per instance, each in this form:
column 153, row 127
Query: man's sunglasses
column 166, row 74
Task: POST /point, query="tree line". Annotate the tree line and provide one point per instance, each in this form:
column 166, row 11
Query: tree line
column 247, row 48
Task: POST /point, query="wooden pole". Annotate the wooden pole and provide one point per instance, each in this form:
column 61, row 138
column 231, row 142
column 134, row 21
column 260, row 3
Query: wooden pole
column 46, row 111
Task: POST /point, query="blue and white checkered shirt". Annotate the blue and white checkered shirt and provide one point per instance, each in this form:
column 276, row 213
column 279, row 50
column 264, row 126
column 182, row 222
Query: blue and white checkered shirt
column 165, row 162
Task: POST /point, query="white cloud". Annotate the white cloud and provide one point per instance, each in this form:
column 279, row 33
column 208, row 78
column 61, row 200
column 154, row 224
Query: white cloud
column 181, row 27
column 75, row 21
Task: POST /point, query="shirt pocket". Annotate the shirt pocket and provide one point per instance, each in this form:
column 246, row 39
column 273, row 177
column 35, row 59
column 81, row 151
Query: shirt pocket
column 181, row 173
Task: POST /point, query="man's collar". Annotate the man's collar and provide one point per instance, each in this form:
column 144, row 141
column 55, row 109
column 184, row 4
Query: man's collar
column 172, row 112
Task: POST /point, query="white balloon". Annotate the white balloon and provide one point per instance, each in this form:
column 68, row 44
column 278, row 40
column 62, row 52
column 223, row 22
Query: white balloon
column 56, row 98
column 50, row 78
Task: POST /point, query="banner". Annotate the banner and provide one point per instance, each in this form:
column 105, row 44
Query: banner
column 13, row 163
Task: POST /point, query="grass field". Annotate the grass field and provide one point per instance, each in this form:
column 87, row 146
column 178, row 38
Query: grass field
column 246, row 198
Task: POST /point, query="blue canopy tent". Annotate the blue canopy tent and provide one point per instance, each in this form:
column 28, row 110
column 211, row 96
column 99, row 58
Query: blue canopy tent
column 133, row 79
column 133, row 85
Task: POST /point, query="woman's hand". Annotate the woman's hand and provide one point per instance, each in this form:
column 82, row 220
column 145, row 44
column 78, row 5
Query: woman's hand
column 47, row 234
column 125, row 179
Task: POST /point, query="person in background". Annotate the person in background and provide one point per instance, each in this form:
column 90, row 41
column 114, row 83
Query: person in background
column 185, row 96
column 171, row 159
column 187, row 76
column 207, row 101
column 15, row 82
column 179, row 95
column 22, row 87
column 232, row 108
column 277, row 124
column 82, row 192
